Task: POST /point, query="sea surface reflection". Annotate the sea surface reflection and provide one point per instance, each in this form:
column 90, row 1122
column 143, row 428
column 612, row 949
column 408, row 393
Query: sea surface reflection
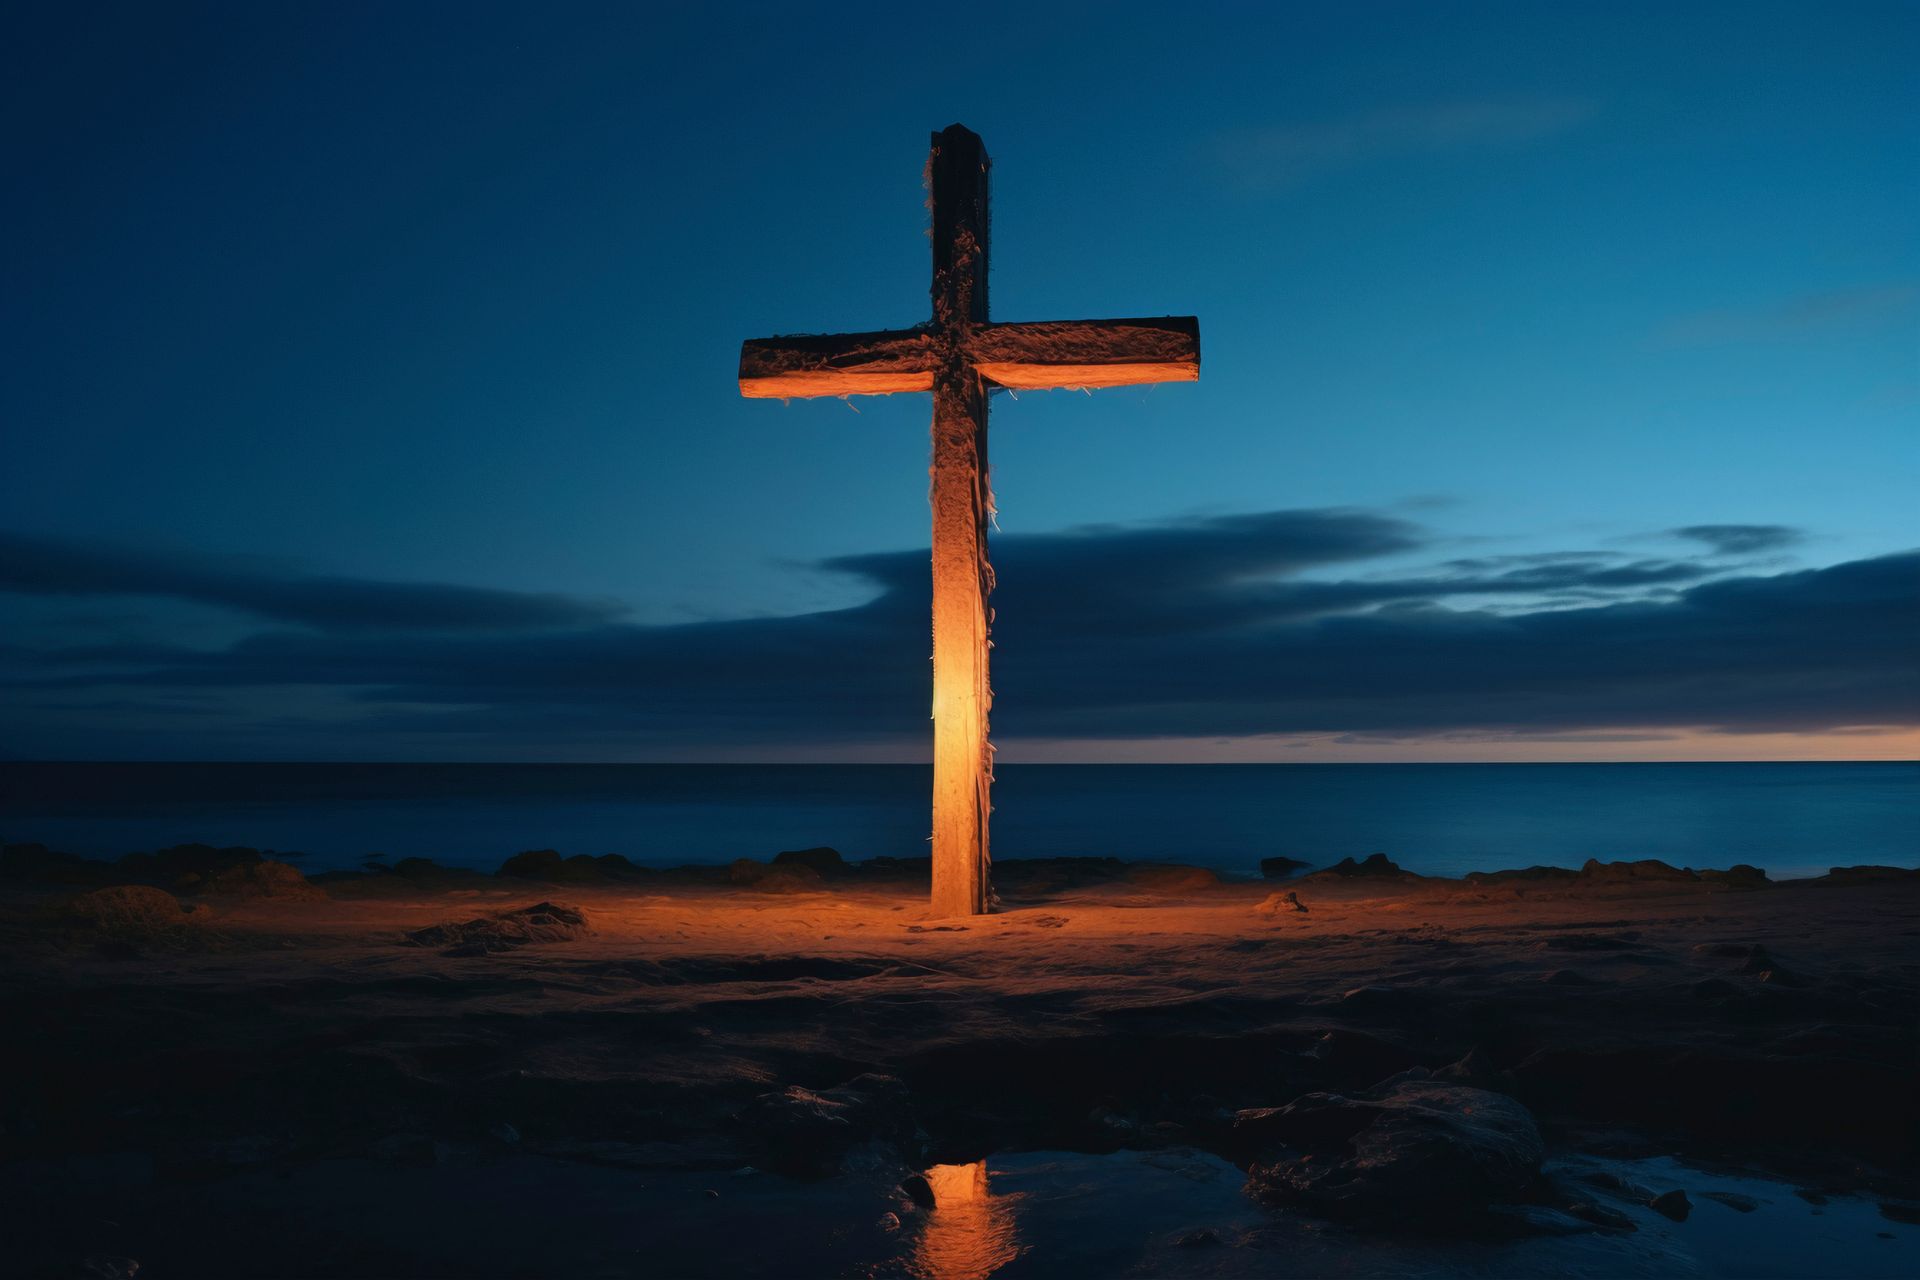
column 969, row 1233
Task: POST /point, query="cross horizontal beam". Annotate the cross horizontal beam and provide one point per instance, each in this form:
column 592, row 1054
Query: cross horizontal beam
column 1025, row 356
column 1037, row 355
column 838, row 364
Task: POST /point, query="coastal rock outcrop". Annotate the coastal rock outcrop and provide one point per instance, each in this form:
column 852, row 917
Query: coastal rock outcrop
column 1412, row 1149
column 265, row 879
column 1632, row 872
column 1375, row 866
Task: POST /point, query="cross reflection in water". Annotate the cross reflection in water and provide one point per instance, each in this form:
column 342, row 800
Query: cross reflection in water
column 969, row 1233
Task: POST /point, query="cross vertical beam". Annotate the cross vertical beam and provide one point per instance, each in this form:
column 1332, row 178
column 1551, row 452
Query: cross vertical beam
column 958, row 356
column 962, row 507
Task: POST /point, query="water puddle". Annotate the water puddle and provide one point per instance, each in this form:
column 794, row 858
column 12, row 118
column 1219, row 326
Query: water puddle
column 1184, row 1213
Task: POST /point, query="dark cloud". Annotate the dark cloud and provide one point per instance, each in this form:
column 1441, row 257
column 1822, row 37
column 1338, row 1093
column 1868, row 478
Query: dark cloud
column 1742, row 539
column 1221, row 626
column 42, row 567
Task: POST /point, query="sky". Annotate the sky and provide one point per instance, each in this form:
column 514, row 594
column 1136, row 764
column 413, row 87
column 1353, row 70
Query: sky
column 371, row 380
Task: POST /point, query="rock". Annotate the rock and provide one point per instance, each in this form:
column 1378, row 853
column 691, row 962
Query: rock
column 822, row 861
column 1673, row 1204
column 1566, row 978
column 109, row 1267
column 1896, row 1212
column 888, row 1222
column 1647, row 869
column 262, row 880
column 506, row 930
column 1738, row 876
column 916, row 1188
column 1167, row 877
column 1374, row 865
column 1521, row 874
column 809, row 1134
column 534, row 864
column 1409, row 1150
column 1278, row 904
column 1204, row 1238
column 504, row 1132
column 1279, row 868
column 1733, row 1200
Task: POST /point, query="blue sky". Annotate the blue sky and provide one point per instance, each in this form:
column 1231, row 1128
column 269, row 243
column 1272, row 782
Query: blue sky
column 452, row 297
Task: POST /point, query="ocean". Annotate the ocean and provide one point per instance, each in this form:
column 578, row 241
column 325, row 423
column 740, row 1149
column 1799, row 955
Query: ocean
column 1792, row 819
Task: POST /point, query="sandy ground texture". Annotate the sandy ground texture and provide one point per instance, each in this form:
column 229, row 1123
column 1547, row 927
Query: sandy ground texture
column 376, row 1077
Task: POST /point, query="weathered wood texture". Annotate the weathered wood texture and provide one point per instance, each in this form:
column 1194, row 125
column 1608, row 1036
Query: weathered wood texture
column 843, row 364
column 1026, row 355
column 962, row 508
column 1087, row 353
column 959, row 357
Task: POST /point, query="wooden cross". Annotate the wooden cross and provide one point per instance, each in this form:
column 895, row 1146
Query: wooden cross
column 960, row 356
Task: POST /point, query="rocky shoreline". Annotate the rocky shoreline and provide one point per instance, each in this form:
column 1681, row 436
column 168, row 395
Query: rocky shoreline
column 1394, row 1054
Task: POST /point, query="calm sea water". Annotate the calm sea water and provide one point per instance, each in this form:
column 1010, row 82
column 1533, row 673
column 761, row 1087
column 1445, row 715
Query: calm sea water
column 1792, row 819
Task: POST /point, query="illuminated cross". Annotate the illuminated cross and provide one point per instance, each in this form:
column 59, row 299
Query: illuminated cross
column 959, row 356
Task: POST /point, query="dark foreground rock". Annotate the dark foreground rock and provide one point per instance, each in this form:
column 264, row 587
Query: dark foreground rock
column 506, row 931
column 1413, row 1150
column 807, row 1134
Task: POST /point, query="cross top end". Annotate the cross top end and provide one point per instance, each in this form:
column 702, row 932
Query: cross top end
column 1035, row 355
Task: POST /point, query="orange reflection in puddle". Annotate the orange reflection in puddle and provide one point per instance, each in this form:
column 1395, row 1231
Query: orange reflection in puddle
column 969, row 1232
